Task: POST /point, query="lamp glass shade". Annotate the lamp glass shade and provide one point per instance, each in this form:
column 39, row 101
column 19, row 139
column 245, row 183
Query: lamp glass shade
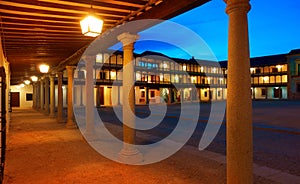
column 27, row 82
column 44, row 68
column 91, row 26
column 34, row 78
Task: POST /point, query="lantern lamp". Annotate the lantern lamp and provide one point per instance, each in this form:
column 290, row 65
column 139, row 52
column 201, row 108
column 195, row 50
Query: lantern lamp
column 44, row 68
column 91, row 26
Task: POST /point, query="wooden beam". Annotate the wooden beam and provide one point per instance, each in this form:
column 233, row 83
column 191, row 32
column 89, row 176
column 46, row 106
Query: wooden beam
column 31, row 7
column 170, row 8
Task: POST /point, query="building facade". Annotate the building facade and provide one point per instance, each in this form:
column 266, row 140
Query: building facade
column 159, row 78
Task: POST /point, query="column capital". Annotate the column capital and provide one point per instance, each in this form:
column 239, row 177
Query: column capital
column 89, row 58
column 51, row 75
column 70, row 67
column 237, row 5
column 127, row 38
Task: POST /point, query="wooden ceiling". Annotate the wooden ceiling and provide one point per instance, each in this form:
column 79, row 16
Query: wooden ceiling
column 48, row 31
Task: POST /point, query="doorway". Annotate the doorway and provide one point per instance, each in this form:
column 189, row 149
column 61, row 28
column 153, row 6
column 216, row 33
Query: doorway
column 15, row 99
column 277, row 93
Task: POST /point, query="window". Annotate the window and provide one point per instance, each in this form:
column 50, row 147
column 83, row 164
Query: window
column 284, row 78
column 152, row 94
column 142, row 94
column 219, row 93
column 28, row 96
column 81, row 74
column 257, row 70
column 102, row 75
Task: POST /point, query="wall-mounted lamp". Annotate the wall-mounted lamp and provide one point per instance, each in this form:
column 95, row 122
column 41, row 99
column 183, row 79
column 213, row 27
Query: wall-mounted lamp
column 91, row 25
column 27, row 82
column 44, row 68
column 34, row 78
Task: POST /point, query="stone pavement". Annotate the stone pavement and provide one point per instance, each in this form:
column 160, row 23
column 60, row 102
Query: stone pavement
column 42, row 151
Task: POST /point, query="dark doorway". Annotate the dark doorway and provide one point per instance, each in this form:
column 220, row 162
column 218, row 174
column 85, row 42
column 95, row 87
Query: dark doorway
column 101, row 95
column 15, row 99
column 277, row 93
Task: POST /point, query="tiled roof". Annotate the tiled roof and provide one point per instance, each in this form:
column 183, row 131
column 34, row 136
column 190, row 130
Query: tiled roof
column 263, row 61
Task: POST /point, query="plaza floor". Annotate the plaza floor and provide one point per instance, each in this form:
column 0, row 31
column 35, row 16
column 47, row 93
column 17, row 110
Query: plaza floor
column 40, row 150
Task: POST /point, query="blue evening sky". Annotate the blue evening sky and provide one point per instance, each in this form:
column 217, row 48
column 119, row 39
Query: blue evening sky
column 274, row 28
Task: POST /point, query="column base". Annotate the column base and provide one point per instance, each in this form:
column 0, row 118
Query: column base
column 71, row 124
column 130, row 156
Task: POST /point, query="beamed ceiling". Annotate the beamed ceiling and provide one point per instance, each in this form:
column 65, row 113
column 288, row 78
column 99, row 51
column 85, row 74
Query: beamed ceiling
column 48, row 31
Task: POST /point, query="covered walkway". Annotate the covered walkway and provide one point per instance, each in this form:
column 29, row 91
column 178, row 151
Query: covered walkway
column 40, row 150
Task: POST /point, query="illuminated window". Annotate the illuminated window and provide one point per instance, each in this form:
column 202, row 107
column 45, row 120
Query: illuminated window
column 266, row 79
column 278, row 79
column 176, row 78
column 138, row 77
column 193, row 79
column 99, row 58
column 113, row 75
column 202, row 69
column 284, row 78
column 214, row 70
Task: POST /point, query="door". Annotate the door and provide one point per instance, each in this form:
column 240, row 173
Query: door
column 101, row 95
column 277, row 93
column 15, row 99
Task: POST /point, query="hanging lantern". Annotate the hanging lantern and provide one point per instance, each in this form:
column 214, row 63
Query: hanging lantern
column 44, row 68
column 91, row 26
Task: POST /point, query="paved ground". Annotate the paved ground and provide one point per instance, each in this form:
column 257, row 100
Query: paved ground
column 276, row 131
column 43, row 151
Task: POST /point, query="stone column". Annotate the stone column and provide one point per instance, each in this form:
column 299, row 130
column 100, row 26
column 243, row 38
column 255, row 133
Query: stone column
column 47, row 96
column 52, row 96
column 60, row 97
column 239, row 103
column 70, row 120
column 34, row 95
column 169, row 96
column 147, row 95
column 38, row 91
column 42, row 95
column 98, row 104
column 81, row 94
column 119, row 88
column 181, row 95
column 89, row 92
column 129, row 154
